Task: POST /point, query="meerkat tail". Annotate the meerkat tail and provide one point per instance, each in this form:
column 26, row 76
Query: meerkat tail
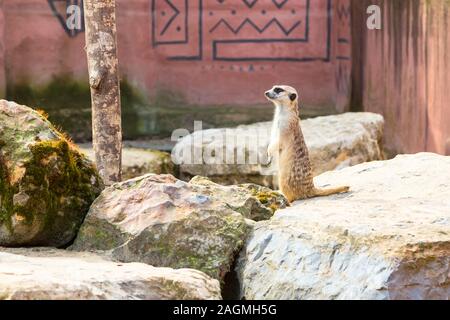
column 330, row 191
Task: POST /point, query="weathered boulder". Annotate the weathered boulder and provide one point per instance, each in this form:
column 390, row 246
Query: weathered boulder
column 137, row 162
column 49, row 274
column 166, row 222
column 239, row 155
column 46, row 184
column 389, row 238
column 253, row 201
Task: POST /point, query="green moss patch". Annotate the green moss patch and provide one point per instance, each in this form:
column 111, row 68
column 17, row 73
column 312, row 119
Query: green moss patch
column 46, row 184
column 57, row 185
column 268, row 198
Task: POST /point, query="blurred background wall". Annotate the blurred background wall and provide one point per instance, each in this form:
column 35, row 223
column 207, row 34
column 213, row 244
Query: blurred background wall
column 403, row 72
column 211, row 60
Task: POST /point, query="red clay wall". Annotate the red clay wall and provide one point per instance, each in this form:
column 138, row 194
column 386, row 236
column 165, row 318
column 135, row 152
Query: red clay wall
column 403, row 72
column 2, row 52
column 211, row 51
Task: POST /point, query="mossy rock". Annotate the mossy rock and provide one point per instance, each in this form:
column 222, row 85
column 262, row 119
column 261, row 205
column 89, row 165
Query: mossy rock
column 165, row 222
column 67, row 101
column 253, row 201
column 46, row 184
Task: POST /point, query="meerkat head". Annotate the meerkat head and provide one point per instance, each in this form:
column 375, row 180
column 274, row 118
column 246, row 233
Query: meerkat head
column 282, row 95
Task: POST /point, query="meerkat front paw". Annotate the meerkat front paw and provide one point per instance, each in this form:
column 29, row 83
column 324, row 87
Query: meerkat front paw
column 271, row 149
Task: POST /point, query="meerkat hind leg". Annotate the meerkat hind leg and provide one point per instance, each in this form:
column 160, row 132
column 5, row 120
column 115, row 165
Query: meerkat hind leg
column 329, row 191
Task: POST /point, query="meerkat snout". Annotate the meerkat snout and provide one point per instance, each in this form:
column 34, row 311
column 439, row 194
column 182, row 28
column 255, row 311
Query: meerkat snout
column 269, row 94
column 281, row 94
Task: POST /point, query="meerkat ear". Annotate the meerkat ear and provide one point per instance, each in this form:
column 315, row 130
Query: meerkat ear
column 292, row 96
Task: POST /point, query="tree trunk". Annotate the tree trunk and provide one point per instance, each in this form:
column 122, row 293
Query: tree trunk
column 101, row 47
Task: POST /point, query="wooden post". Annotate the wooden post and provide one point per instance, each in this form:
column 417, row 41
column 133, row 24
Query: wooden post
column 101, row 48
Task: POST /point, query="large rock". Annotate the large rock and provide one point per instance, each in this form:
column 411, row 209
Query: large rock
column 61, row 275
column 46, row 184
column 253, row 201
column 166, row 222
column 389, row 238
column 239, row 155
column 137, row 162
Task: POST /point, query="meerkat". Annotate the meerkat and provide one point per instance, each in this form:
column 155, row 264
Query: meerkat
column 295, row 178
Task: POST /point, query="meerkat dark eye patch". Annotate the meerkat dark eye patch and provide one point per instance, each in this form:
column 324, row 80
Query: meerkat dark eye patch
column 278, row 90
column 292, row 96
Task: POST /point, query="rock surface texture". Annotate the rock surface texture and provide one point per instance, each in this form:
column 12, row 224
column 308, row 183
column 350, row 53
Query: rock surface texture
column 137, row 162
column 253, row 201
column 48, row 274
column 165, row 222
column 46, row 184
column 389, row 238
column 334, row 142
